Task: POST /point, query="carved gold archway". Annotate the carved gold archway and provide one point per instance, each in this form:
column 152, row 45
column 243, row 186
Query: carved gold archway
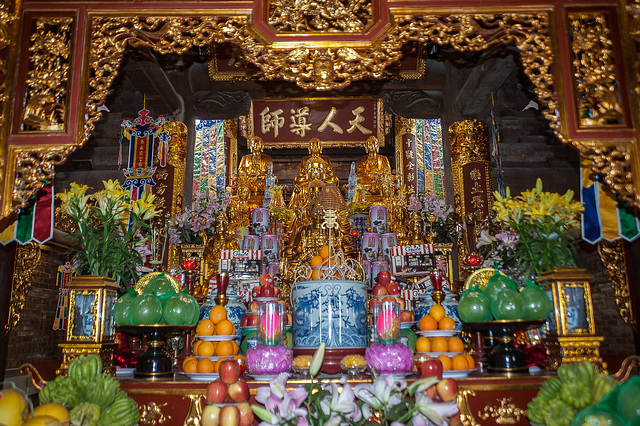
column 322, row 65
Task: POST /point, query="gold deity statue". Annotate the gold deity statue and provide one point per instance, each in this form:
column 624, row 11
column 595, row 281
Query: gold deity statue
column 223, row 239
column 370, row 170
column 312, row 162
column 255, row 167
column 240, row 204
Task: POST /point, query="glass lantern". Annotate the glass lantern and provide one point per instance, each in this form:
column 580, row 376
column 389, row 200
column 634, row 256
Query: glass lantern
column 90, row 327
column 270, row 324
column 386, row 322
column 270, row 356
column 387, row 355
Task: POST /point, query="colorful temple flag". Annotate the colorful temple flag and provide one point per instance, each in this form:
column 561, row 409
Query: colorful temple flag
column 604, row 216
column 34, row 222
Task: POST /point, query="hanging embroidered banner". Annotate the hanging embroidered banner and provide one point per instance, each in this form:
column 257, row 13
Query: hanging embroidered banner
column 142, row 133
column 603, row 216
column 34, row 222
column 209, row 169
column 65, row 273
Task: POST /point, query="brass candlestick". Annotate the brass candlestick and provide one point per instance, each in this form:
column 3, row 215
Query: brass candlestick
column 438, row 296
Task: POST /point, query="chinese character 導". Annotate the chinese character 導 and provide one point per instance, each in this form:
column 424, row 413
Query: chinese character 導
column 327, row 122
column 355, row 123
column 271, row 120
column 299, row 124
column 477, row 202
column 475, row 174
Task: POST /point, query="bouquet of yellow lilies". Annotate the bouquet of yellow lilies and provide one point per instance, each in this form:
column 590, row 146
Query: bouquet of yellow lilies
column 539, row 225
column 110, row 229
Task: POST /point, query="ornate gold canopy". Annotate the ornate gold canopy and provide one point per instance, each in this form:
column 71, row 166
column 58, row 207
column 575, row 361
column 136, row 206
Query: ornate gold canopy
column 75, row 53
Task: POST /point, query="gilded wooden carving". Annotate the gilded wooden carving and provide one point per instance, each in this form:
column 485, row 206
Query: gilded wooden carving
column 466, row 416
column 612, row 256
column 311, row 15
column 505, row 413
column 26, row 261
column 151, row 414
column 47, row 78
column 323, row 64
column 594, row 70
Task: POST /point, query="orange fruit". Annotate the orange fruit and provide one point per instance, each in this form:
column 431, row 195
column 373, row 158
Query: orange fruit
column 189, row 364
column 437, row 312
column 240, row 358
column 459, row 362
column 205, row 327
column 225, row 327
column 428, row 323
column 423, row 344
column 217, row 314
column 206, row 349
column 205, row 365
column 324, row 251
column 316, row 261
column 236, row 348
column 447, row 323
column 447, row 364
column 439, row 344
column 470, row 361
column 315, row 274
column 224, row 348
column 195, row 346
column 456, row 344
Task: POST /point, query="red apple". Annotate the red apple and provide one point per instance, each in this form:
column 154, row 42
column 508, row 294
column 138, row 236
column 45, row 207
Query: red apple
column 252, row 321
column 229, row 416
column 267, row 291
column 243, row 320
column 447, row 389
column 216, row 392
column 393, row 288
column 246, row 414
column 372, row 302
column 266, row 279
column 431, row 368
column 255, row 291
column 389, row 299
column 229, row 371
column 401, row 302
column 431, row 392
column 384, row 277
column 210, row 415
column 379, row 290
column 238, row 391
column 406, row 316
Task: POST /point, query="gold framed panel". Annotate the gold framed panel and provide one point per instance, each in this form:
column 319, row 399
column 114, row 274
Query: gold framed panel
column 108, row 32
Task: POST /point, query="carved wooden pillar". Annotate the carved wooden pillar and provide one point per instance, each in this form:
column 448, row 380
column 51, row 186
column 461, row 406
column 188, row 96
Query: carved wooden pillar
column 472, row 181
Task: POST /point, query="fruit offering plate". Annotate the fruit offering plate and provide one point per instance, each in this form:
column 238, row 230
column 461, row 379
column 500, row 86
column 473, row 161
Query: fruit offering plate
column 125, row 372
column 438, row 333
column 202, row 377
column 263, row 377
column 213, row 358
column 458, row 374
column 437, row 354
column 408, row 324
column 218, row 338
column 266, row 299
column 154, row 328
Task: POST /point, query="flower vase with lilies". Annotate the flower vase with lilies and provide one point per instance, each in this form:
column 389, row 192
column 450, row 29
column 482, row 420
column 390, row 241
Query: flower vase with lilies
column 111, row 230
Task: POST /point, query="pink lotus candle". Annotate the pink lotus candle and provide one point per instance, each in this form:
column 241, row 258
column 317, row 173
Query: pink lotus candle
column 387, row 321
column 271, row 322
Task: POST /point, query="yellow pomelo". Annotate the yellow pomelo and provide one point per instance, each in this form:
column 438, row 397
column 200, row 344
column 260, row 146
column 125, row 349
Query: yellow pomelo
column 12, row 407
column 42, row 420
column 52, row 409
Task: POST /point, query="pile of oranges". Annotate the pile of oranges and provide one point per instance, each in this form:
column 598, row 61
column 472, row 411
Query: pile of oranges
column 216, row 325
column 439, row 344
column 317, row 261
column 436, row 320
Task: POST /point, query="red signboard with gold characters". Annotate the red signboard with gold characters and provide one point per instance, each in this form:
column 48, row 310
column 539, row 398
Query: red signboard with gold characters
column 292, row 122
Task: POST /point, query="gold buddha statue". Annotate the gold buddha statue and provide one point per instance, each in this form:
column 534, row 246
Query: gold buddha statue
column 370, row 170
column 315, row 155
column 254, row 167
column 223, row 239
column 240, row 206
